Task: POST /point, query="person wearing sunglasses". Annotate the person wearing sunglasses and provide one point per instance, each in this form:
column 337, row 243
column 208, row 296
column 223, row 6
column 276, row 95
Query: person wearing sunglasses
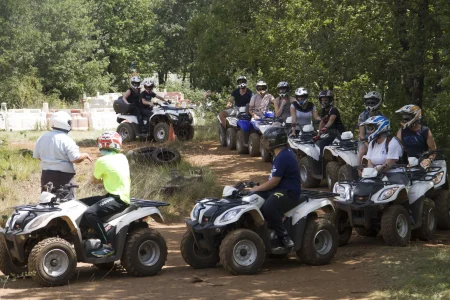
column 384, row 150
column 239, row 97
column 283, row 102
column 260, row 102
column 303, row 112
column 330, row 124
column 415, row 137
column 372, row 102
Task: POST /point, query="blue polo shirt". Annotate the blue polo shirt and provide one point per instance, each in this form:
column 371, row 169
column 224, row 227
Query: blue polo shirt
column 285, row 166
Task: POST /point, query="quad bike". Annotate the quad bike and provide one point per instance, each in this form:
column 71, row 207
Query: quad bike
column 232, row 230
column 249, row 132
column 373, row 205
column 227, row 136
column 158, row 124
column 313, row 168
column 48, row 239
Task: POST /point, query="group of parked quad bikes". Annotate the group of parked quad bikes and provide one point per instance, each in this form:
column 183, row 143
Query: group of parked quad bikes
column 47, row 240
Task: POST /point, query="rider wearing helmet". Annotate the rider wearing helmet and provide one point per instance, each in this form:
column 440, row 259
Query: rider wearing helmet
column 282, row 190
column 131, row 96
column 259, row 103
column 111, row 170
column 415, row 137
column 331, row 124
column 283, row 102
column 146, row 102
column 302, row 111
column 372, row 101
column 384, row 150
column 239, row 97
column 58, row 153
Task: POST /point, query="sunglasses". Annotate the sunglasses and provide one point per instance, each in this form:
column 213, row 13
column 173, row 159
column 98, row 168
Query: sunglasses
column 260, row 88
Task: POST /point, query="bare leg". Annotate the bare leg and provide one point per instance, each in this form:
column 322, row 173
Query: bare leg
column 223, row 116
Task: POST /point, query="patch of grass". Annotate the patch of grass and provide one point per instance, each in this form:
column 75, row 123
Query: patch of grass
column 414, row 272
column 207, row 132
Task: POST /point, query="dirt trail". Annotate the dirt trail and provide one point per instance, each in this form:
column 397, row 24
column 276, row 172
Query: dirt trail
column 351, row 275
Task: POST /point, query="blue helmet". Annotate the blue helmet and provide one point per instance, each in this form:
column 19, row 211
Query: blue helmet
column 381, row 124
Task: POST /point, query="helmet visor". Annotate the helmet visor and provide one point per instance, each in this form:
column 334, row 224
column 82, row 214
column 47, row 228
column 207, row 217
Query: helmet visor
column 148, row 87
column 371, row 128
column 135, row 84
column 300, row 98
column 241, row 81
column 371, row 102
column 260, row 88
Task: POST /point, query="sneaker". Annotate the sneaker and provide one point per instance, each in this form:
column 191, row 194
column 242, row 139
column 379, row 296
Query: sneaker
column 103, row 252
column 287, row 242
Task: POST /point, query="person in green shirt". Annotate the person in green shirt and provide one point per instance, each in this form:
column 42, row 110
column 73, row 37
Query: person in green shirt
column 111, row 170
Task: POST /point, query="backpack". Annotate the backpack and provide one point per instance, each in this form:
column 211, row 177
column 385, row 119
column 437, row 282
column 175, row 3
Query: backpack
column 402, row 160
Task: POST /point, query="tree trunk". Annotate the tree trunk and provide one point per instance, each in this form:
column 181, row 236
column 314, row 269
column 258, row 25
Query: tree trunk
column 161, row 80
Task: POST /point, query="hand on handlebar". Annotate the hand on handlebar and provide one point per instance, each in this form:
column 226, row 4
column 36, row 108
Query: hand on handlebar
column 425, row 163
column 316, row 138
column 323, row 130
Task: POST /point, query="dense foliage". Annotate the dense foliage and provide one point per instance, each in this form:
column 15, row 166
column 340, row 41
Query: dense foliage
column 60, row 49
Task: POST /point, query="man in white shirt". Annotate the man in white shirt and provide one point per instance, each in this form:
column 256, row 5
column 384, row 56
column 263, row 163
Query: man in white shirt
column 58, row 152
column 380, row 156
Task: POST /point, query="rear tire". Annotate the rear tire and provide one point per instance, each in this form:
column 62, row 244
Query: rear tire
column 186, row 133
column 332, row 171
column 265, row 153
column 396, row 226
column 240, row 143
column 242, row 252
column 144, row 253
column 222, row 135
column 339, row 219
column 346, row 173
column 195, row 257
column 320, row 242
column 442, row 201
column 126, row 131
column 308, row 181
column 161, row 132
column 231, row 138
column 52, row 262
column 426, row 231
column 254, row 144
column 7, row 266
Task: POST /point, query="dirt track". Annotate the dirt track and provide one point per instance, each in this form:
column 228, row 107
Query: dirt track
column 351, row 275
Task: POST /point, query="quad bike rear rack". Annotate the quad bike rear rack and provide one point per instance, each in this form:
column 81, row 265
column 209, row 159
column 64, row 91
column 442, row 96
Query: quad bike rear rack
column 147, row 203
column 310, row 194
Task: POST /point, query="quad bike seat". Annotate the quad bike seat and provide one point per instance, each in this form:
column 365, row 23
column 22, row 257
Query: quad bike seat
column 119, row 214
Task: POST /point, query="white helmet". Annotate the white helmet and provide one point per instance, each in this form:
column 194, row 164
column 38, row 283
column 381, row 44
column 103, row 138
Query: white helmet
column 61, row 120
column 301, row 91
column 148, row 83
column 241, row 82
column 135, row 82
column 372, row 100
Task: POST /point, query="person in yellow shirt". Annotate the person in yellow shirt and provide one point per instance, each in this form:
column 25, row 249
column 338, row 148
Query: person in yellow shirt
column 113, row 171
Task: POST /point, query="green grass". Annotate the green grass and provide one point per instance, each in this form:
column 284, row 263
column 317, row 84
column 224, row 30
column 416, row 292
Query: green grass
column 414, row 272
column 83, row 138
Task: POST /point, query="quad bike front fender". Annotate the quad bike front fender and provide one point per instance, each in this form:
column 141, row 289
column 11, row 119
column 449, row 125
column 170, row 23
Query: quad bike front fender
column 308, row 207
column 399, row 196
column 418, row 190
column 137, row 214
column 241, row 210
column 349, row 157
column 244, row 125
column 127, row 118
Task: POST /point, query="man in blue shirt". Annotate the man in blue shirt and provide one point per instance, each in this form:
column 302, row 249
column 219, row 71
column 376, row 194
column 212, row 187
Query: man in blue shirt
column 283, row 185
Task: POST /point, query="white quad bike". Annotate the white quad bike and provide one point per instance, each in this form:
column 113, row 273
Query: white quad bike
column 232, row 230
column 227, row 136
column 158, row 123
column 314, row 168
column 47, row 240
column 372, row 205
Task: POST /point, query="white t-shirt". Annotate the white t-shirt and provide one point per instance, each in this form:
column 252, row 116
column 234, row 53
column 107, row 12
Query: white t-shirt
column 378, row 156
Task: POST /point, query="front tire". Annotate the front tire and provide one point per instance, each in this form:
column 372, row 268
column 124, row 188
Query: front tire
column 339, row 218
column 265, row 153
column 320, row 242
column 242, row 252
column 332, row 171
column 161, row 132
column 396, row 226
column 195, row 257
column 52, row 262
column 7, row 266
column 308, row 181
column 145, row 252
column 254, row 144
column 126, row 131
column 240, row 143
column 231, row 138
column 442, row 201
column 426, row 231
column 346, row 173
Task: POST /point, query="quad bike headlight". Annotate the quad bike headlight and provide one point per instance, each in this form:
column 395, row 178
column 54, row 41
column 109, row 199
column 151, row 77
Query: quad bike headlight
column 388, row 193
column 342, row 190
column 173, row 117
column 230, row 215
column 438, row 178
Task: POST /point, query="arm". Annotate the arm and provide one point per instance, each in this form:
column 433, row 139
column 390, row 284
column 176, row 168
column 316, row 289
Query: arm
column 362, row 133
column 125, row 96
column 230, row 102
column 82, row 157
column 316, row 115
column 399, row 134
column 251, row 108
column 294, row 119
column 431, row 146
column 330, row 121
column 145, row 102
column 386, row 166
column 268, row 185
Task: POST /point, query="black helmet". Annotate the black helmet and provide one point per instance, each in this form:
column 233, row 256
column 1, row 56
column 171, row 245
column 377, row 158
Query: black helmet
column 285, row 86
column 275, row 137
column 326, row 94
